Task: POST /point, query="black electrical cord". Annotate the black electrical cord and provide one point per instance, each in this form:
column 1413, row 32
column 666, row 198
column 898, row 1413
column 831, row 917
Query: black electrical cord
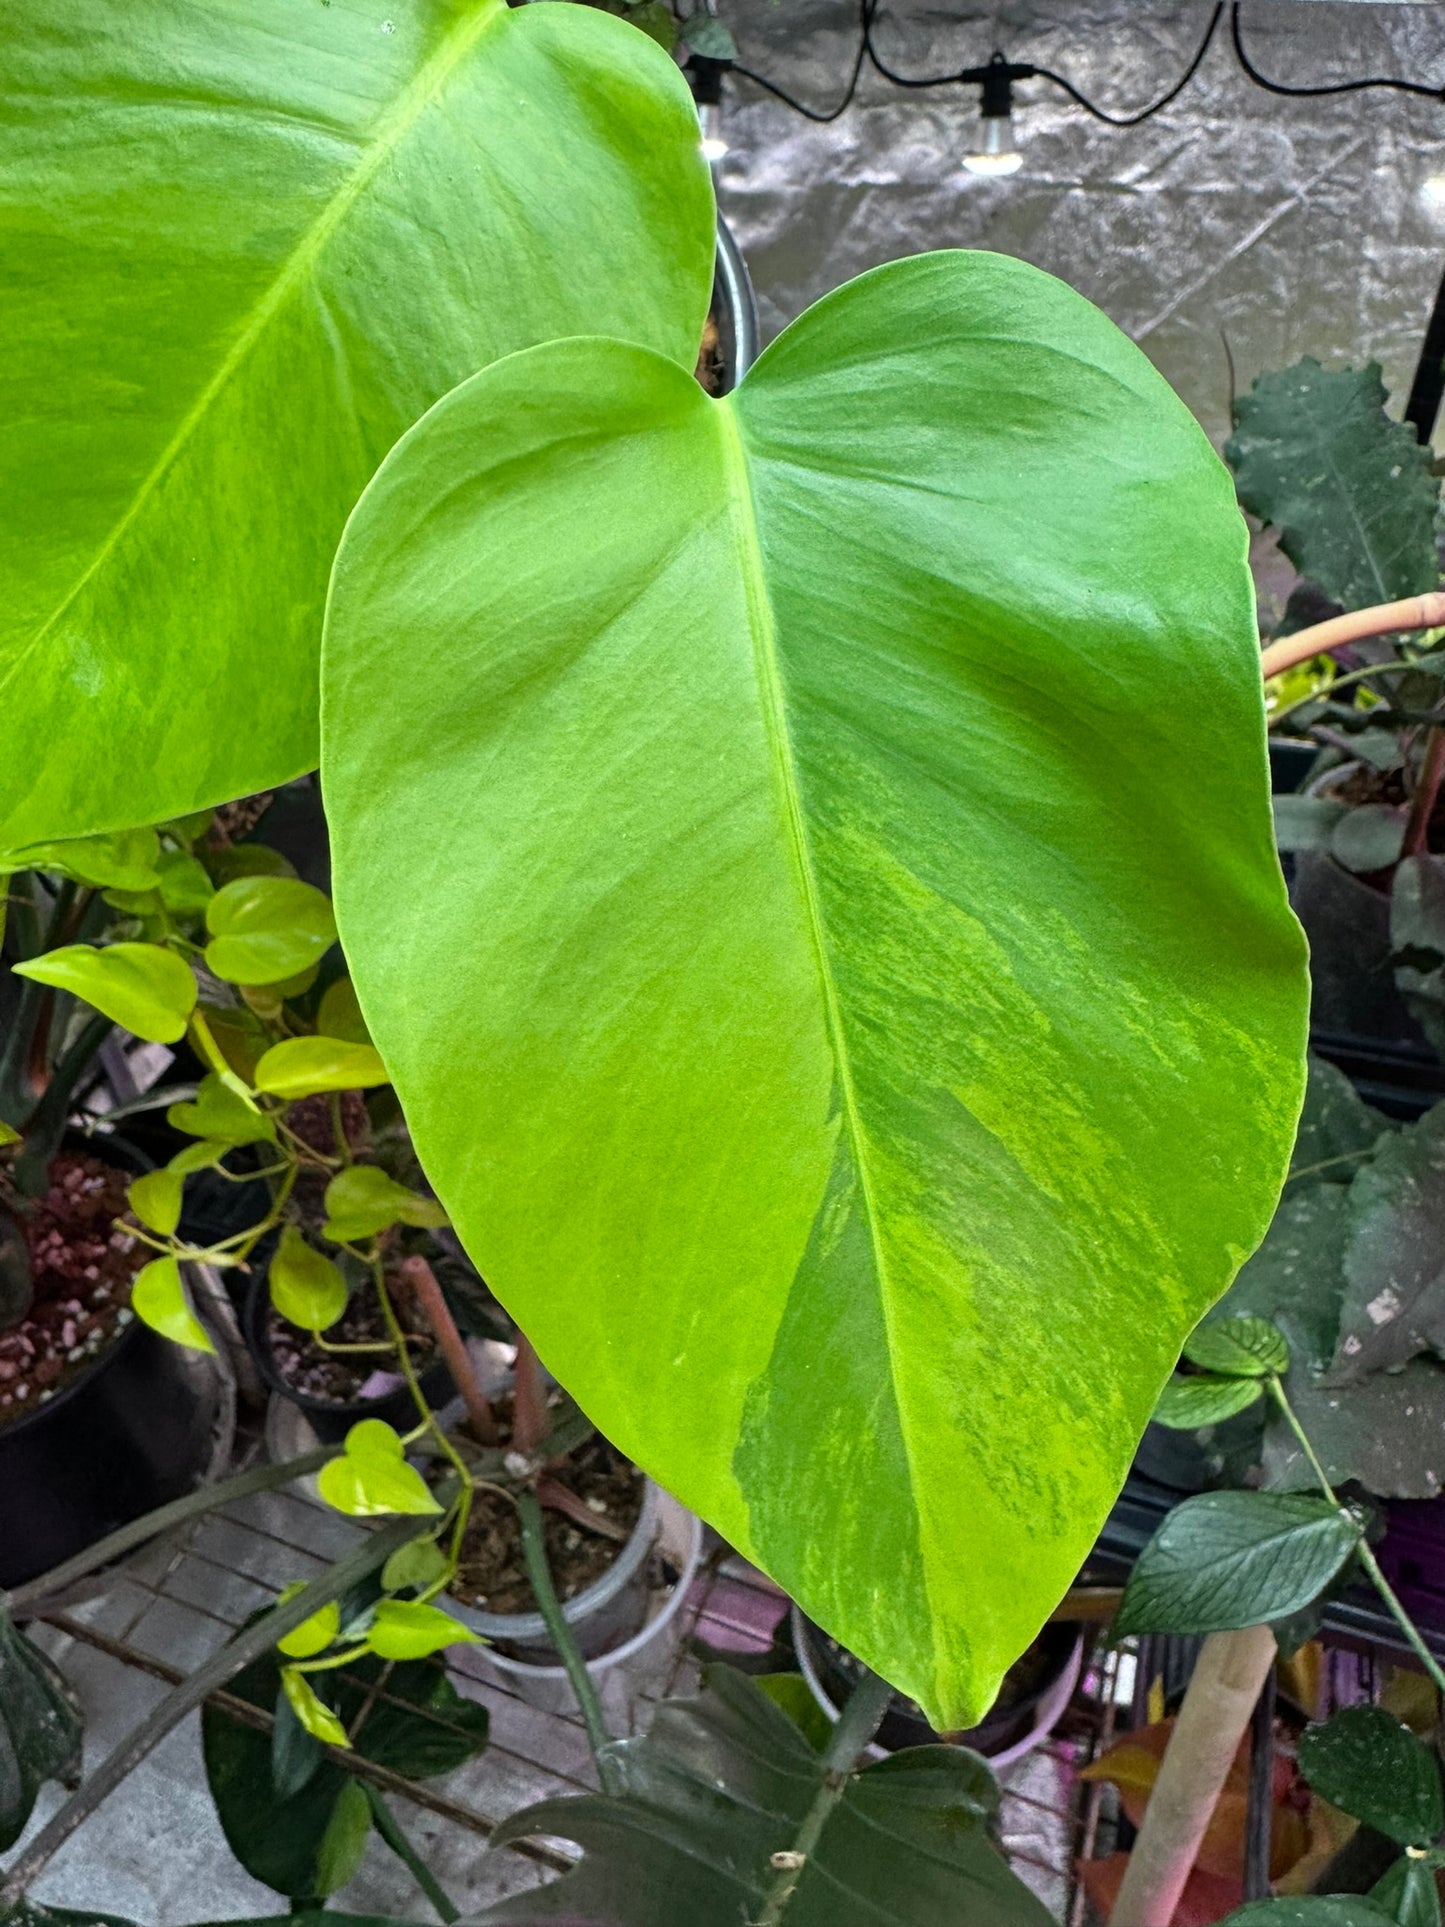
column 800, row 107
column 1133, row 120
column 1333, row 87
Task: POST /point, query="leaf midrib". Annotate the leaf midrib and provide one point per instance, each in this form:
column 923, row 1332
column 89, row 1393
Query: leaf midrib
column 763, row 635
column 396, row 125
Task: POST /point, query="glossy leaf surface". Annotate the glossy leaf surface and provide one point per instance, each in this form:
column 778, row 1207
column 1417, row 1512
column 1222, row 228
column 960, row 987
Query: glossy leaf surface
column 305, row 1066
column 305, row 1285
column 362, row 1199
column 266, row 929
column 722, row 1782
column 246, row 248
column 140, row 986
column 219, row 1112
column 407, row 1629
column 1231, row 1559
column 158, row 1296
column 372, row 1475
column 840, row 1030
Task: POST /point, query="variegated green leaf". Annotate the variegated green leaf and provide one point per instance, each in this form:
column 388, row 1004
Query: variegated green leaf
column 806, row 862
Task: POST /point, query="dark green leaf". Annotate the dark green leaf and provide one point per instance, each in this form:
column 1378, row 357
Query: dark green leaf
column 40, row 1729
column 1297, row 1276
column 1328, row 1910
column 1375, row 1769
column 30, row 1913
column 1408, row 1893
column 344, row 1841
column 1336, row 1126
column 246, row 247
column 421, row 1727
column 1394, row 1304
column 1305, row 822
column 1187, row 1403
column 1230, row 1559
column 1316, row 456
column 1239, row 1347
column 1369, row 837
column 433, row 1729
column 798, row 1700
column 705, row 34
column 722, row 1782
column 777, row 992
column 1417, row 931
column 1386, row 1430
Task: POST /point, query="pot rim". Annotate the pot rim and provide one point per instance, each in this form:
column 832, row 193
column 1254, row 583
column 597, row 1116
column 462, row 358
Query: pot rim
column 530, row 1627
column 645, row 1634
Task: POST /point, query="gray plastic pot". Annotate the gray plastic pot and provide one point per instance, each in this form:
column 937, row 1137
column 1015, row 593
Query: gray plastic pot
column 629, row 1665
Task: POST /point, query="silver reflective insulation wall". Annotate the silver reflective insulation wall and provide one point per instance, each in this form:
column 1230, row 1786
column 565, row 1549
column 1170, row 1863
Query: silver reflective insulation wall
column 1288, row 227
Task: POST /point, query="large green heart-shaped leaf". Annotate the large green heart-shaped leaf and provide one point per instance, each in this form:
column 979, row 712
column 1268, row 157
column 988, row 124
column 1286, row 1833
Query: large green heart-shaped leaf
column 866, row 1030
column 245, row 248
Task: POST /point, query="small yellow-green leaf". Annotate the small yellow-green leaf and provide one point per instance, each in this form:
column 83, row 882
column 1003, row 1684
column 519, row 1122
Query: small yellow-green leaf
column 313, row 1635
column 304, row 1066
column 373, row 1477
column 143, row 987
column 305, row 1286
column 121, row 860
column 204, row 1155
column 266, row 929
column 418, row 1563
column 8, row 1133
column 220, row 1112
column 156, row 1199
column 313, row 1713
column 339, row 1014
column 159, row 1297
column 407, row 1629
column 184, row 886
column 362, row 1199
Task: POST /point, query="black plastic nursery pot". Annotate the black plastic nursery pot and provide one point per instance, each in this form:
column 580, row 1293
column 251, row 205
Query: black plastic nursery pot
column 330, row 1419
column 1032, row 1700
column 131, row 1432
column 1358, row 1019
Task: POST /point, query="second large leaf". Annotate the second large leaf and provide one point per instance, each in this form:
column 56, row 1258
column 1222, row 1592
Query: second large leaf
column 246, row 245
column 806, row 861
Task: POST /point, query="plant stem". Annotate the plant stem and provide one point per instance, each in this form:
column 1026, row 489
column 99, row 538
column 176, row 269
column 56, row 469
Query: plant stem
column 29, row 1600
column 1427, row 791
column 422, row 1279
column 374, row 1551
column 428, row 1416
column 857, row 1723
column 390, row 1829
column 534, row 1551
column 48, row 1120
column 1367, row 1558
column 1384, row 619
column 529, row 1399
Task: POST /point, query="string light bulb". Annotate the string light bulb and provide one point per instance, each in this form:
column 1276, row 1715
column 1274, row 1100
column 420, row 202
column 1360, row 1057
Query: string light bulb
column 714, row 140
column 996, row 151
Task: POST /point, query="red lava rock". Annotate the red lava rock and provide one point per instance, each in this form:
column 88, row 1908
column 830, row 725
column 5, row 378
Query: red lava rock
column 79, row 1260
